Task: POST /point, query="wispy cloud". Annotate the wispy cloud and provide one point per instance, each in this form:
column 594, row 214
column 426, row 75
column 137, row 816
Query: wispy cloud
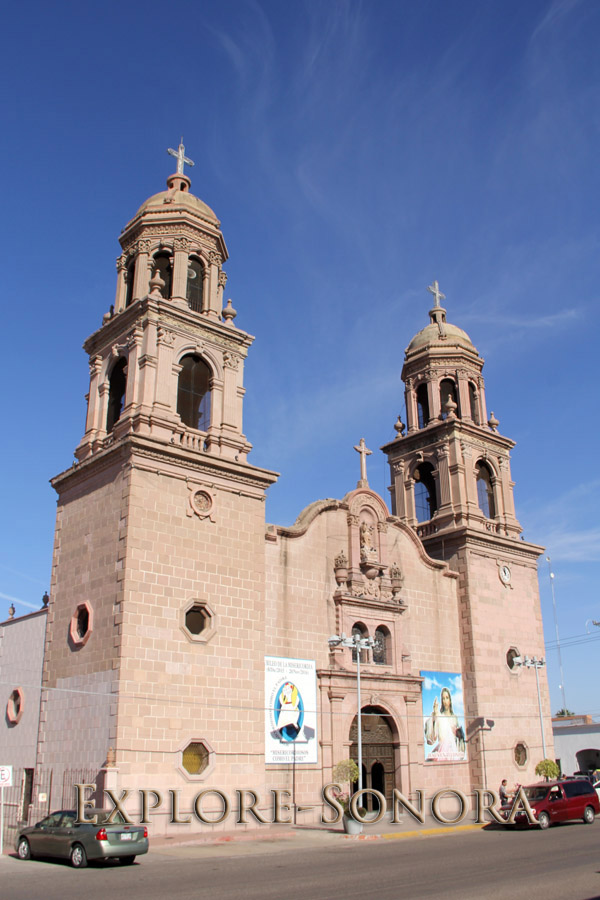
column 560, row 524
column 556, row 11
column 20, row 602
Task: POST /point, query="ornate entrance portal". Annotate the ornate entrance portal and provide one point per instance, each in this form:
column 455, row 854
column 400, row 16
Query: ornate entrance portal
column 377, row 753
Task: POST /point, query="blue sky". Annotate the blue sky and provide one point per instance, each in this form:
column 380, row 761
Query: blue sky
column 354, row 152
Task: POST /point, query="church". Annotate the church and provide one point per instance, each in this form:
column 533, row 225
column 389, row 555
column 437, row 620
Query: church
column 188, row 645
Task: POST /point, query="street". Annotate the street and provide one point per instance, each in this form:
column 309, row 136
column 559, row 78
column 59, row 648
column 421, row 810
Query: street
column 563, row 862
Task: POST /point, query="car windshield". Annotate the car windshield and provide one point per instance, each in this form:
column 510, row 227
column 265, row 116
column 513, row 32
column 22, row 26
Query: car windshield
column 536, row 793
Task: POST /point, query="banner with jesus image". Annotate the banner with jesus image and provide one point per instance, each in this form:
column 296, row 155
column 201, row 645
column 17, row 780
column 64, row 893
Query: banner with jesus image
column 443, row 717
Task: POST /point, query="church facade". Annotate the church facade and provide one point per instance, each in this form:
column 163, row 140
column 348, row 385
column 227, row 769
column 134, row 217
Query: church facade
column 187, row 639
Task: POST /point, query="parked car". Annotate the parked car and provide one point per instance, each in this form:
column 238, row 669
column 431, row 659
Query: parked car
column 560, row 801
column 58, row 835
column 597, row 788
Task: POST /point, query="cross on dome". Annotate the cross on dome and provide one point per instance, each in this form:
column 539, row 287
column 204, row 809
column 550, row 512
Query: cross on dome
column 435, row 290
column 181, row 158
column 362, row 449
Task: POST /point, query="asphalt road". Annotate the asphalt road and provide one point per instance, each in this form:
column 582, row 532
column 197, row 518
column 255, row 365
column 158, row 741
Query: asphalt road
column 560, row 864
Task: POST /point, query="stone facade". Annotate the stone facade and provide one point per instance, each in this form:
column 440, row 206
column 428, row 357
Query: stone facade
column 21, row 657
column 169, row 589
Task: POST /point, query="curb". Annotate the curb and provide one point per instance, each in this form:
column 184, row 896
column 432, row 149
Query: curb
column 423, row 832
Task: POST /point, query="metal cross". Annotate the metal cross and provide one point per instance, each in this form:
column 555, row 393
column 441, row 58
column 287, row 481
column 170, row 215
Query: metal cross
column 435, row 290
column 181, row 158
column 362, row 449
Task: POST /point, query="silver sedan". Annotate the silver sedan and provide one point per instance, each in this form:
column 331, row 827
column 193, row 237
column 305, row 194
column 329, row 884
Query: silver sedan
column 58, row 835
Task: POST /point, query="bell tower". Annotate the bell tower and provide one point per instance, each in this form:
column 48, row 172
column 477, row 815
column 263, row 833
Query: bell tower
column 157, row 596
column 451, row 483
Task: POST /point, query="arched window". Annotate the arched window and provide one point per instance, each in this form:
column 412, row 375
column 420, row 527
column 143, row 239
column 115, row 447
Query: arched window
column 422, row 405
column 362, row 631
column 116, row 393
column 425, row 494
column 193, row 292
column 485, row 491
column 193, row 393
column 381, row 648
column 129, row 280
column 473, row 403
column 447, row 389
column 162, row 261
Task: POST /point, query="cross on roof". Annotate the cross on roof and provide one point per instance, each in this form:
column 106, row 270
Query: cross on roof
column 181, row 158
column 362, row 449
column 435, row 290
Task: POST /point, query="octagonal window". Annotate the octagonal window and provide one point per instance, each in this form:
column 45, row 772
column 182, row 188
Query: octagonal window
column 520, row 753
column 198, row 621
column 196, row 759
column 82, row 624
column 15, row 706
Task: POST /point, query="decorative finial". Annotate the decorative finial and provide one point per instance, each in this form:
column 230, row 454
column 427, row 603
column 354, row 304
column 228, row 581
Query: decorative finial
column 493, row 422
column 156, row 284
column 45, row 600
column 362, row 449
column 11, row 611
column 450, row 407
column 181, row 158
column 229, row 314
column 111, row 758
column 399, row 428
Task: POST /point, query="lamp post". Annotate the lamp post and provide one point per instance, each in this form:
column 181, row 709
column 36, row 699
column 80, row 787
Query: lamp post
column 532, row 662
column 560, row 665
column 357, row 643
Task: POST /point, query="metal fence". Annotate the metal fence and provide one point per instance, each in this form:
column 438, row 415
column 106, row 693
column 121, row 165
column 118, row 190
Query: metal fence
column 36, row 792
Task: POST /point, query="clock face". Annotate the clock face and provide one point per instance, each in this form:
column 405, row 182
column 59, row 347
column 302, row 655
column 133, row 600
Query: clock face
column 505, row 574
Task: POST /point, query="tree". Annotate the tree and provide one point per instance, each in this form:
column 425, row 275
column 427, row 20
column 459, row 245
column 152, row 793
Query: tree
column 564, row 712
column 548, row 768
column 346, row 772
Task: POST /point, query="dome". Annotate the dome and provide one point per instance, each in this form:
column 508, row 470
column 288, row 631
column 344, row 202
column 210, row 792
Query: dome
column 443, row 334
column 179, row 198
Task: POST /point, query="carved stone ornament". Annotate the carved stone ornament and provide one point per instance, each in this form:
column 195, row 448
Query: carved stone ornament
column 95, row 365
column 214, row 258
column 165, row 336
column 396, row 578
column 121, row 262
column 231, row 360
column 340, row 567
column 181, row 243
column 399, row 468
column 143, row 246
column 133, row 338
column 467, row 451
column 352, row 519
column 410, row 384
column 201, row 503
column 222, row 279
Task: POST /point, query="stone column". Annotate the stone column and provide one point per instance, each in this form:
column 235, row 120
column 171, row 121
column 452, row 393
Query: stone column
column 469, row 475
column 134, row 342
column 213, row 288
column 464, row 402
column 181, row 247
column 231, row 363
column 410, row 396
column 142, row 277
column 443, row 474
column 399, row 490
column 121, row 283
column 433, row 393
column 165, row 393
column 482, row 405
column 409, row 496
column 92, row 424
column 221, row 288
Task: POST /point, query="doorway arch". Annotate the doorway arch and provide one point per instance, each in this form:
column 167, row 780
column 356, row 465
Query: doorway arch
column 379, row 741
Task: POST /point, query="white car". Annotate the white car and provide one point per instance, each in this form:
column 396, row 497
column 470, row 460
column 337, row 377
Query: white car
column 597, row 788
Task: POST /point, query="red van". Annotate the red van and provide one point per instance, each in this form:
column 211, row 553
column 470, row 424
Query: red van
column 559, row 801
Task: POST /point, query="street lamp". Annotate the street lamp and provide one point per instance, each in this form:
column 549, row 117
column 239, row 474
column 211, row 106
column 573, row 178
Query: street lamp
column 358, row 644
column 532, row 662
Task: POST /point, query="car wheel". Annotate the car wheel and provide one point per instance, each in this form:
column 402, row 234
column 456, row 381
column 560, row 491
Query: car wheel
column 23, row 849
column 589, row 815
column 126, row 860
column 544, row 820
column 78, row 857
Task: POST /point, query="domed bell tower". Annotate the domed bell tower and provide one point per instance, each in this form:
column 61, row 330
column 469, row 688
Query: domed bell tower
column 451, row 482
column 157, row 599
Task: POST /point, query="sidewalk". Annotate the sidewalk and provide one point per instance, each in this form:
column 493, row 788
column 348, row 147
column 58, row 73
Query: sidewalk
column 406, row 828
